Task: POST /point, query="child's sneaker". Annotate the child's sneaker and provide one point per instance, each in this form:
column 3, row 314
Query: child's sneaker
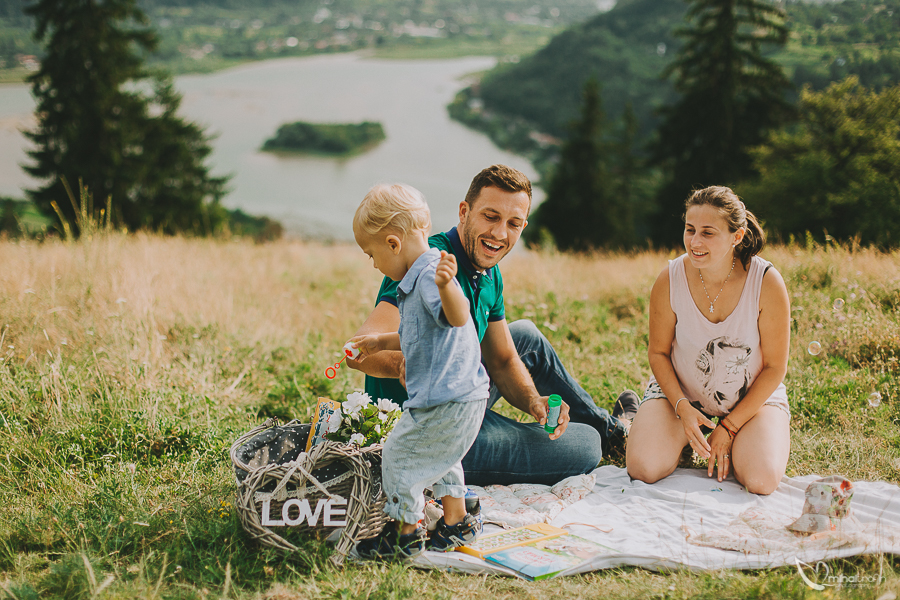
column 390, row 545
column 447, row 537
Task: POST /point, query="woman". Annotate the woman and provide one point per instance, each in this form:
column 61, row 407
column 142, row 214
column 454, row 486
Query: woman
column 719, row 338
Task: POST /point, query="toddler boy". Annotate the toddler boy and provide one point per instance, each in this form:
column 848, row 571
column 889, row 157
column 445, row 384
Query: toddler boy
column 445, row 380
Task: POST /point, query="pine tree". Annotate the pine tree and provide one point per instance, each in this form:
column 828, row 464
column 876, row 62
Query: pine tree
column 578, row 211
column 730, row 96
column 627, row 178
column 103, row 120
column 9, row 222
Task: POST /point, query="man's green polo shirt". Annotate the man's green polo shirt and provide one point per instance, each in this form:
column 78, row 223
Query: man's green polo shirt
column 483, row 290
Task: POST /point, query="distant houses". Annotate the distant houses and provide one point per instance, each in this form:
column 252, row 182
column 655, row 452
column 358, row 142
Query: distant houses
column 29, row 62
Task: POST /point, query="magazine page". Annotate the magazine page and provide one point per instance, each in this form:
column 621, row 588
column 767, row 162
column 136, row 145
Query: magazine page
column 326, row 418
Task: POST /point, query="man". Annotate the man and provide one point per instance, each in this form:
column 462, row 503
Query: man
column 522, row 364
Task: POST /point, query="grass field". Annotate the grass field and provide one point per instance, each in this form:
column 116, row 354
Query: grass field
column 130, row 363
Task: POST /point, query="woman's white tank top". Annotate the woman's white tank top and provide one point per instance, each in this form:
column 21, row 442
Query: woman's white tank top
column 716, row 363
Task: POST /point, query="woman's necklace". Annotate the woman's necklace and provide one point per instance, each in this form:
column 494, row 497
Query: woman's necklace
column 712, row 303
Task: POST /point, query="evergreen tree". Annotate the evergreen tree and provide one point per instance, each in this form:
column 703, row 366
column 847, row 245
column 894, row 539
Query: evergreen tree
column 837, row 171
column 98, row 123
column 9, row 222
column 730, row 96
column 627, row 179
column 578, row 210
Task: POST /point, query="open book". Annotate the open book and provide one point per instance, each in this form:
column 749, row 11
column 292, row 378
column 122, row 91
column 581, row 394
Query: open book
column 538, row 551
column 546, row 558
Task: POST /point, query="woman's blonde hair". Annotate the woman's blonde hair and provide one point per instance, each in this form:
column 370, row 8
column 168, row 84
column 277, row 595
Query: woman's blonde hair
column 396, row 206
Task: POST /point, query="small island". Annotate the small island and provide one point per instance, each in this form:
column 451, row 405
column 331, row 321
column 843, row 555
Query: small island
column 333, row 139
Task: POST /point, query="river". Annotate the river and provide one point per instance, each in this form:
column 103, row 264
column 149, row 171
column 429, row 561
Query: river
column 316, row 196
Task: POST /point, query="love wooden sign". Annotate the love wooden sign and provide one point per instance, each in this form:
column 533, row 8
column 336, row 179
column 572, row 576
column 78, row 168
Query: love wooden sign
column 295, row 511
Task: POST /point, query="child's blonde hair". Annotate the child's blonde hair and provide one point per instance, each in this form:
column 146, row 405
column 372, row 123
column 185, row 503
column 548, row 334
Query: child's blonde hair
column 398, row 206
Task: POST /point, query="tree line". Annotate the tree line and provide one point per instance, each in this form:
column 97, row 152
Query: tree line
column 827, row 164
column 325, row 138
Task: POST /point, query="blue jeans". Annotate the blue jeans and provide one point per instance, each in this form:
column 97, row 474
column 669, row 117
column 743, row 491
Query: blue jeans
column 507, row 451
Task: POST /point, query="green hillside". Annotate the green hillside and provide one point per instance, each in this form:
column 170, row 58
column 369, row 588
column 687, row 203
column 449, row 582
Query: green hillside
column 627, row 48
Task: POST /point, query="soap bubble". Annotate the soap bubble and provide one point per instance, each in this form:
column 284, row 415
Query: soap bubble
column 838, row 303
column 875, row 399
column 814, row 348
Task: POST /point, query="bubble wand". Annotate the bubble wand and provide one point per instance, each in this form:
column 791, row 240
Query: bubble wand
column 349, row 352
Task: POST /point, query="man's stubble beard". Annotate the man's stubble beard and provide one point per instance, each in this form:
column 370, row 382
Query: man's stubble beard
column 471, row 245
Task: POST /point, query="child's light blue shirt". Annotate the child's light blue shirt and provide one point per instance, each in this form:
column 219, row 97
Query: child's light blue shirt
column 443, row 363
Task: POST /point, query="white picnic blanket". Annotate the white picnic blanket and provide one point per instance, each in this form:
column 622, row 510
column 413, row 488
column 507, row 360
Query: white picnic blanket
column 688, row 520
column 525, row 503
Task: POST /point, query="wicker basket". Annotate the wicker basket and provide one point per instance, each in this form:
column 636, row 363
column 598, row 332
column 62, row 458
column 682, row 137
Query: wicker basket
column 270, row 465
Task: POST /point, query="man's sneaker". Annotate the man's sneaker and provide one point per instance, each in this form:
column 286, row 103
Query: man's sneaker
column 447, row 537
column 390, row 545
column 626, row 406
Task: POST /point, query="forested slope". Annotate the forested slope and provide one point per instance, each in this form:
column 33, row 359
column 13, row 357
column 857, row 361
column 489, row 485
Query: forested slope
column 627, row 48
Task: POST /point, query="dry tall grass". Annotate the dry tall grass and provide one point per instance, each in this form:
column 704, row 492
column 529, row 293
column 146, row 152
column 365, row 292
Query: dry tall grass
column 132, row 290
column 165, row 311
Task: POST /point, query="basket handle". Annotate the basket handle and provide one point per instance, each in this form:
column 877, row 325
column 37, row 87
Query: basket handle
column 280, row 491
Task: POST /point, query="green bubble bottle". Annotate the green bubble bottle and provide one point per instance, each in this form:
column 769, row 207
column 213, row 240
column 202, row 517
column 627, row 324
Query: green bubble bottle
column 553, row 404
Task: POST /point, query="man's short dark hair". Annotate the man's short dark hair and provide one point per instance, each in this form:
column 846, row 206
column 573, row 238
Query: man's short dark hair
column 502, row 177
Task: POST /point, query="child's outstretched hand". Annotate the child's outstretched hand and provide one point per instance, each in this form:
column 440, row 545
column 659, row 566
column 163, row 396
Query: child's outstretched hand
column 446, row 269
column 366, row 344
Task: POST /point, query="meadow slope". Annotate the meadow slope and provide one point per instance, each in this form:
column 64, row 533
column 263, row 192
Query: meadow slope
column 128, row 364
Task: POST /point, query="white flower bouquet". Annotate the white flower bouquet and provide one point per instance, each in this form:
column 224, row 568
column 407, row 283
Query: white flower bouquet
column 363, row 422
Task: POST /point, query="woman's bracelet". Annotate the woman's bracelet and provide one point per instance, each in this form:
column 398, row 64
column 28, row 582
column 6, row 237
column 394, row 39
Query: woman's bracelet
column 728, row 431
column 676, row 407
column 731, row 425
column 729, row 428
